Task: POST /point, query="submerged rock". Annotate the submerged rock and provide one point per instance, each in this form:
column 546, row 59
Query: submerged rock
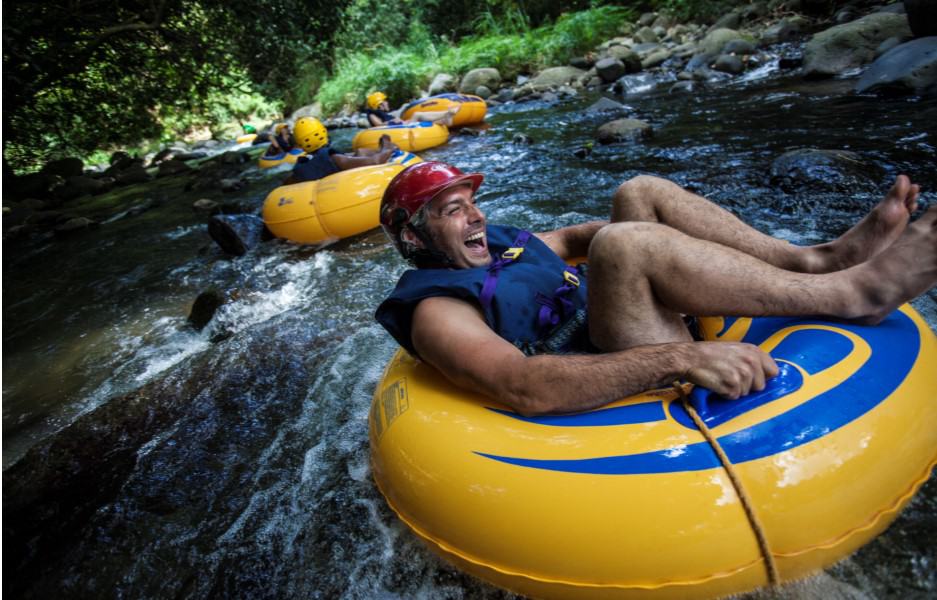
column 236, row 234
column 605, row 104
column 204, row 308
column 823, row 170
column 621, row 130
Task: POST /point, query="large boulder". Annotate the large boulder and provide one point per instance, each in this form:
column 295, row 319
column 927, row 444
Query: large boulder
column 621, row 130
column 64, row 167
column 486, row 76
column 715, row 40
column 555, row 77
column 443, row 82
column 635, row 84
column 910, row 67
column 610, row 69
column 310, row 110
column 851, row 45
column 627, row 56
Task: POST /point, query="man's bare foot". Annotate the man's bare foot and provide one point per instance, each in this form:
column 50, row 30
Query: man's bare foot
column 450, row 115
column 901, row 272
column 385, row 143
column 873, row 234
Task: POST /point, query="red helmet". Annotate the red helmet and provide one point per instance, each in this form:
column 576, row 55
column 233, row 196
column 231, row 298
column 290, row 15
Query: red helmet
column 413, row 188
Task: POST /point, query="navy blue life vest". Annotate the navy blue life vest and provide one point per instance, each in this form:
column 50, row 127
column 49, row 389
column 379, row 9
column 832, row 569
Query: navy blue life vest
column 317, row 165
column 524, row 309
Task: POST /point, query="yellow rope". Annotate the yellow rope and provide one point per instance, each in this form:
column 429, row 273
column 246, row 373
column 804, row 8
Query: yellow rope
column 759, row 531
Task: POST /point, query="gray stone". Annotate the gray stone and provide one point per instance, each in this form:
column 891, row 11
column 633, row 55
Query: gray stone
column 655, row 58
column 231, row 184
column 505, row 95
column 483, row 92
column 621, row 130
column 739, row 47
column 851, row 45
column 605, row 104
column 910, row 67
column 716, row 40
column 582, row 62
column 610, row 69
column 634, row 84
column 204, row 205
column 521, row 138
column 730, row 20
column 443, row 82
column 682, row 87
column 486, row 76
column 164, row 154
column 647, row 19
column 555, row 77
column 204, row 308
column 826, row 170
column 644, row 49
column 310, row 110
column 726, row 63
column 887, row 45
column 782, row 31
column 75, row 224
column 236, row 234
column 628, row 57
column 646, row 35
column 118, row 156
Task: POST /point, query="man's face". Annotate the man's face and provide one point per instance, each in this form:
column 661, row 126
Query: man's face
column 457, row 227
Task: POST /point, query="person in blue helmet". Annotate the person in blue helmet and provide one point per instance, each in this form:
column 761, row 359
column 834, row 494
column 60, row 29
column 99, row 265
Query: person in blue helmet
column 498, row 310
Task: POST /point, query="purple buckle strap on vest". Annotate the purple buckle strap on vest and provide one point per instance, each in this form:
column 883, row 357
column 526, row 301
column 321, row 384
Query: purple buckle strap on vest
column 553, row 309
column 491, row 279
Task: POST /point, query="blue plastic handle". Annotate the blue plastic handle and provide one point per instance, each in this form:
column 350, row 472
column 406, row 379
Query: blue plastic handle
column 787, row 380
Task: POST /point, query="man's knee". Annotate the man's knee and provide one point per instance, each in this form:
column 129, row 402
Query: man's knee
column 634, row 199
column 628, row 238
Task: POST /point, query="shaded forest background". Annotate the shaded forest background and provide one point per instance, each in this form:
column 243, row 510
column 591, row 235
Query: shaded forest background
column 84, row 78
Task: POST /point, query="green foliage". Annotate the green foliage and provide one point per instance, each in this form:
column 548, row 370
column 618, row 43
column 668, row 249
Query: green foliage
column 696, row 10
column 512, row 47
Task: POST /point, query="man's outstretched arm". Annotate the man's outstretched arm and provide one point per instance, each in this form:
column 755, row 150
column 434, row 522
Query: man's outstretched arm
column 452, row 336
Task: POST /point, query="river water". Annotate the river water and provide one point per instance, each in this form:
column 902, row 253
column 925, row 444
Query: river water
column 143, row 459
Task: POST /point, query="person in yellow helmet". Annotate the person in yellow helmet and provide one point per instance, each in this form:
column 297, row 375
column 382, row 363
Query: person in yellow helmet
column 378, row 113
column 322, row 160
column 281, row 141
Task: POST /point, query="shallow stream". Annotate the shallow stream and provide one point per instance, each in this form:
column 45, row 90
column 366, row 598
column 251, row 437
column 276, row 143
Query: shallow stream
column 144, row 460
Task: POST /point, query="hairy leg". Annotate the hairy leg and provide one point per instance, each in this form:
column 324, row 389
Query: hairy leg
column 651, row 199
column 642, row 276
column 443, row 117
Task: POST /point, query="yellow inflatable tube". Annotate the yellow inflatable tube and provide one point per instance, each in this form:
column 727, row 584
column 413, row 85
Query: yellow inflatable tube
column 409, row 137
column 472, row 109
column 630, row 501
column 247, row 137
column 272, row 160
column 341, row 205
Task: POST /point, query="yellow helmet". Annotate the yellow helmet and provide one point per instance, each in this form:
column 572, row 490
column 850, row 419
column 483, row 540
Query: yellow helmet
column 310, row 134
column 375, row 99
column 280, row 127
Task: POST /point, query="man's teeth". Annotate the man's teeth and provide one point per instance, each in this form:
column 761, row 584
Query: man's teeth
column 475, row 236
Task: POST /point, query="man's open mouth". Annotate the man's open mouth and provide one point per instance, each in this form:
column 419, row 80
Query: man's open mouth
column 476, row 241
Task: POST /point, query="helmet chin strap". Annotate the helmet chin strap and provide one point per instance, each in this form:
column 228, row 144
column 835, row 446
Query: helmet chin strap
column 429, row 256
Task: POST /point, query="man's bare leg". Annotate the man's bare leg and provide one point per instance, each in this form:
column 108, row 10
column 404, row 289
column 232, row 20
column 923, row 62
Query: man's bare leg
column 642, row 276
column 646, row 198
